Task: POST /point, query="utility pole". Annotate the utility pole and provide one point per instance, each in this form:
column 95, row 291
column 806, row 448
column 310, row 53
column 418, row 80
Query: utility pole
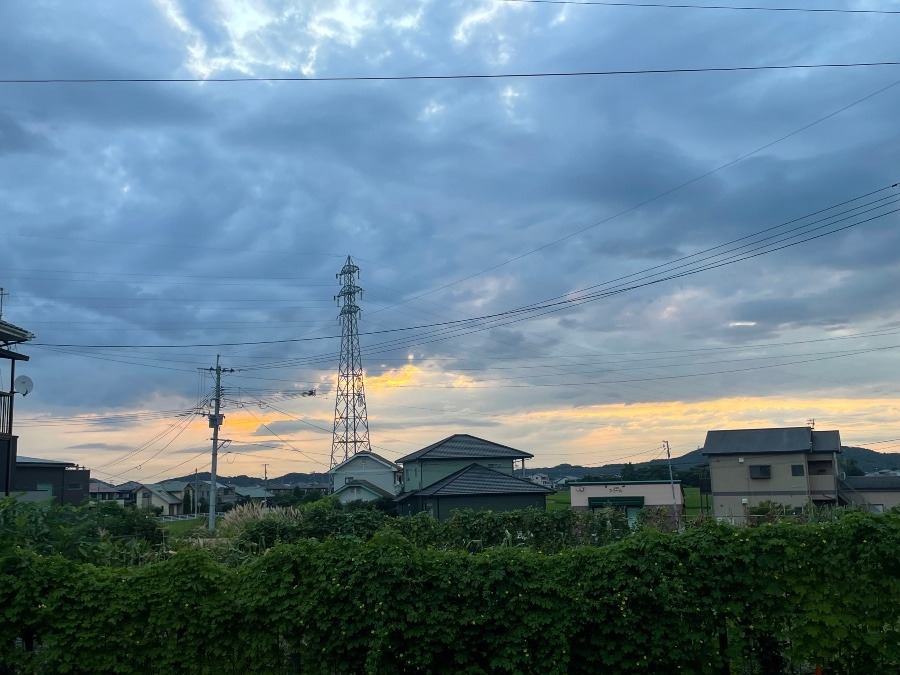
column 215, row 421
column 672, row 483
column 265, row 476
column 196, row 491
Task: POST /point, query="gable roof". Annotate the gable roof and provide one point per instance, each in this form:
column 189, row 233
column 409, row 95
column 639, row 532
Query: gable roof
column 365, row 485
column 476, row 479
column 770, row 441
column 465, row 446
column 157, row 490
column 366, row 455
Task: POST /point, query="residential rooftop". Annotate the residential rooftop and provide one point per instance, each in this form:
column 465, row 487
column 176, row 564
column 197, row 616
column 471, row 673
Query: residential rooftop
column 465, row 446
column 476, row 479
column 771, row 441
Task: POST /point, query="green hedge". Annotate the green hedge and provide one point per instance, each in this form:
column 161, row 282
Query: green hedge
column 767, row 599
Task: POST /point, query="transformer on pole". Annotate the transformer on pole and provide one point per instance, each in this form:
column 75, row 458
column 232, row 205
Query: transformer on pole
column 351, row 424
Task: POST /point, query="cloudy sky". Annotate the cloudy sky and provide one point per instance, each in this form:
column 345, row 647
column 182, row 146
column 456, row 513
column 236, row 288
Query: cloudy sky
column 147, row 227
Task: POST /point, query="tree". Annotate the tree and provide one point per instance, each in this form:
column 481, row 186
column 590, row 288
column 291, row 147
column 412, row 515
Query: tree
column 851, row 468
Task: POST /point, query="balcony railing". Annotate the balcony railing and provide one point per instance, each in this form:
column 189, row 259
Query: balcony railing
column 5, row 413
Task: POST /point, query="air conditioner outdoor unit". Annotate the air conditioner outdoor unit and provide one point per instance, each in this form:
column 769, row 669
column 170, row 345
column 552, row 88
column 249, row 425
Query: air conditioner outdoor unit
column 744, row 501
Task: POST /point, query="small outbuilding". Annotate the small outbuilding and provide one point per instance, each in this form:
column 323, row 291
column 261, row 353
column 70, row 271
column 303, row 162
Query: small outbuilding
column 630, row 496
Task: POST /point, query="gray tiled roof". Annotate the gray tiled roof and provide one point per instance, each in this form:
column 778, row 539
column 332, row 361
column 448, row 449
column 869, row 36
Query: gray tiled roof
column 464, row 446
column 253, row 492
column 167, row 497
column 873, row 482
column 770, row 441
column 479, row 480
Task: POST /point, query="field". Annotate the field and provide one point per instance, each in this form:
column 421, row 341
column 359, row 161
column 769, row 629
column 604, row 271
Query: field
column 179, row 529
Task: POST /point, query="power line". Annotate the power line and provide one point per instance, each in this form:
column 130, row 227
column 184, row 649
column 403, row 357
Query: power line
column 660, row 5
column 641, row 279
column 466, row 76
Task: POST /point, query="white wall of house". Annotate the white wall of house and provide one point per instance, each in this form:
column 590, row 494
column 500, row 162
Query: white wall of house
column 654, row 494
column 366, row 467
column 146, row 499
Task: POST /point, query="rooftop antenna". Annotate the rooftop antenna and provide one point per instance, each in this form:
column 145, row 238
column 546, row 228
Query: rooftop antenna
column 811, row 423
column 3, row 294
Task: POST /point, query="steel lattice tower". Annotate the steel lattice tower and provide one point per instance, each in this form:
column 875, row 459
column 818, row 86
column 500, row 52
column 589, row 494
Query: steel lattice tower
column 351, row 424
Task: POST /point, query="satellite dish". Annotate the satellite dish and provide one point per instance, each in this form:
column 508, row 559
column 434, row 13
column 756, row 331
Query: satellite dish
column 23, row 385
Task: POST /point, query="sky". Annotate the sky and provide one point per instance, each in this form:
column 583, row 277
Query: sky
column 628, row 259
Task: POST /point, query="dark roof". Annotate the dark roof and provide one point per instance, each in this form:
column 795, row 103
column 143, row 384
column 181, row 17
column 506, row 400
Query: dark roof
column 479, row 480
column 826, row 441
column 873, row 482
column 770, row 441
column 366, row 485
column 21, row 459
column 464, row 446
column 253, row 492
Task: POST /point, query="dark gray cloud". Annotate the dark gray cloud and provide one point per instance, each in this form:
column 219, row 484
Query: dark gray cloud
column 196, row 214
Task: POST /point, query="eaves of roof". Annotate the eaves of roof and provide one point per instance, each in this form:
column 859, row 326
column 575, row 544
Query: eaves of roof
column 476, row 479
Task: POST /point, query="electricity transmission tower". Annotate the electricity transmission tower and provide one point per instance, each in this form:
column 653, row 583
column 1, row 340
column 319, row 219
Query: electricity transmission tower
column 351, row 424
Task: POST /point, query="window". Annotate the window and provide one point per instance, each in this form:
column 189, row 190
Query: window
column 493, row 465
column 74, row 486
column 45, row 487
column 797, row 470
column 760, row 471
column 348, row 480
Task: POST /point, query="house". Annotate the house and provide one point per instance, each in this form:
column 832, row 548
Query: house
column 253, row 495
column 36, row 479
column 10, row 335
column 630, row 496
column 104, row 492
column 366, row 476
column 225, row 497
column 466, row 472
column 541, row 479
column 428, row 465
column 875, row 493
column 792, row 466
column 474, row 487
column 153, row 496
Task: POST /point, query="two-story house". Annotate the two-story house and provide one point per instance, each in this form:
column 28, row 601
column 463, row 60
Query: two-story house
column 366, row 476
column 466, row 472
column 792, row 466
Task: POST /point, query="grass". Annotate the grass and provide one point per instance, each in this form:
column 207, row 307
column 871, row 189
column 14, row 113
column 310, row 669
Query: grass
column 560, row 500
column 692, row 501
column 179, row 529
